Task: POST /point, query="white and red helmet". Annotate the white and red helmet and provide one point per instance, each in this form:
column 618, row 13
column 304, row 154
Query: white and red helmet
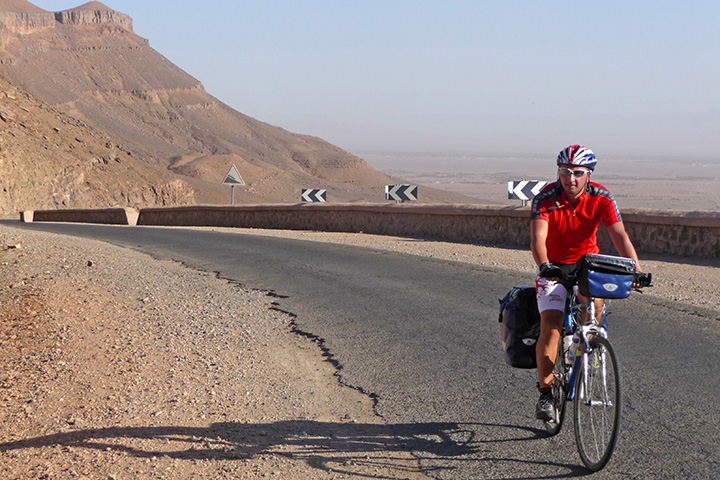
column 577, row 156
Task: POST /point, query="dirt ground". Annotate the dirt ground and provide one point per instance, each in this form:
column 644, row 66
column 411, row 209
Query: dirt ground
column 117, row 366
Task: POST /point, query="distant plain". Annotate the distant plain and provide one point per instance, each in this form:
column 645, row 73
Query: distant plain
column 664, row 184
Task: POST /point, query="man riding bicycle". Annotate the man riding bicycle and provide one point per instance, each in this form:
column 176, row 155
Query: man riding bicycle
column 564, row 220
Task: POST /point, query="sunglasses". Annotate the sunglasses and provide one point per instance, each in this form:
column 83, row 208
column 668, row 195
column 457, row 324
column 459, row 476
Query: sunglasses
column 566, row 172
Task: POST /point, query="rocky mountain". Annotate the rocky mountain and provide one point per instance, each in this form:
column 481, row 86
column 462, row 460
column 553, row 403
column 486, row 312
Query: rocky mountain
column 94, row 117
column 49, row 159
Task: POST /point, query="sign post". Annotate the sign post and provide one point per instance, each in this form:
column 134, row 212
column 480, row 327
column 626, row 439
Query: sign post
column 233, row 178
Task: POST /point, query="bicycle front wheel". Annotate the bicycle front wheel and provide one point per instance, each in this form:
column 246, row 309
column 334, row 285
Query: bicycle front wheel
column 597, row 403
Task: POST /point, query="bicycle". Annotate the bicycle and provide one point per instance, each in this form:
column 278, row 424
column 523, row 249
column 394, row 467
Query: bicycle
column 589, row 377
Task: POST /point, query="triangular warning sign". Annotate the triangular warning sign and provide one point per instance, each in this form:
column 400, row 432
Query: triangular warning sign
column 233, row 177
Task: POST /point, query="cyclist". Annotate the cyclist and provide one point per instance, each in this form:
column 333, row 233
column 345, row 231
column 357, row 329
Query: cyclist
column 564, row 220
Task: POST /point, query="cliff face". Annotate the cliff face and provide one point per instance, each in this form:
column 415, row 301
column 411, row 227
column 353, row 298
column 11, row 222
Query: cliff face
column 94, row 13
column 23, row 23
column 50, row 160
column 21, row 17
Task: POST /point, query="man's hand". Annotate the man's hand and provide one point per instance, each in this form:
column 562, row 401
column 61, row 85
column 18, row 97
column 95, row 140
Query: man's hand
column 550, row 270
column 641, row 280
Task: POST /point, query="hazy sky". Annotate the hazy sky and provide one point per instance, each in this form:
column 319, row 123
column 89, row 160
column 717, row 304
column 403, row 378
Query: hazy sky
column 505, row 77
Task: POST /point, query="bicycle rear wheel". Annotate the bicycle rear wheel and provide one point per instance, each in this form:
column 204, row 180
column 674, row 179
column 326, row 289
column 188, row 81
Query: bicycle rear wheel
column 559, row 390
column 597, row 404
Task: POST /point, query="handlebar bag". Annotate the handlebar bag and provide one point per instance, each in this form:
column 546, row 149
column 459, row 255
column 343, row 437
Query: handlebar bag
column 606, row 276
column 519, row 326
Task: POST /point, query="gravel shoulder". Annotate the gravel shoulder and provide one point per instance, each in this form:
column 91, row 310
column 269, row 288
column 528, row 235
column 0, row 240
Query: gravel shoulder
column 114, row 365
column 118, row 366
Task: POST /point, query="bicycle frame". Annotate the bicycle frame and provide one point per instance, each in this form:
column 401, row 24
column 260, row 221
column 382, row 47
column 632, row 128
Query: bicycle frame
column 573, row 312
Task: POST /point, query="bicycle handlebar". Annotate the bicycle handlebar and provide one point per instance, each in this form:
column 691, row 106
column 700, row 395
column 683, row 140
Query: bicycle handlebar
column 640, row 279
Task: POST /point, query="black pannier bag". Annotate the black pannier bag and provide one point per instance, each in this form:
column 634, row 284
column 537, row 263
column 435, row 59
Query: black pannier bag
column 520, row 326
column 606, row 276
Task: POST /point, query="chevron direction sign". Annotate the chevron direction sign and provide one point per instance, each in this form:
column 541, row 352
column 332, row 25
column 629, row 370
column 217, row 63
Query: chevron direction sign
column 401, row 193
column 314, row 195
column 524, row 189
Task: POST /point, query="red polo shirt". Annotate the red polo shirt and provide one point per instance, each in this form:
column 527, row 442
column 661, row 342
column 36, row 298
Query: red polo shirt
column 573, row 232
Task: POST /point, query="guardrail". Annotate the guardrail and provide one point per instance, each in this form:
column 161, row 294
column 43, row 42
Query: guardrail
column 695, row 234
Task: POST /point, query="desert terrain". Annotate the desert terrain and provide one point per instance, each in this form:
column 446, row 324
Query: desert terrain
column 658, row 183
column 92, row 117
column 140, row 131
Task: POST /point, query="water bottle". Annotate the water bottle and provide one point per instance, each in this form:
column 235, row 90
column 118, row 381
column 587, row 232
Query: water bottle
column 572, row 342
column 567, row 344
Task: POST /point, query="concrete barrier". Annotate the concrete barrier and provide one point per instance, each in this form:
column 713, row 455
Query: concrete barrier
column 690, row 234
column 112, row 216
column 667, row 232
column 459, row 223
column 695, row 234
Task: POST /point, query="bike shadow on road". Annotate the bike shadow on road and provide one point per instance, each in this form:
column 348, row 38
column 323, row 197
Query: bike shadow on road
column 318, row 443
column 322, row 445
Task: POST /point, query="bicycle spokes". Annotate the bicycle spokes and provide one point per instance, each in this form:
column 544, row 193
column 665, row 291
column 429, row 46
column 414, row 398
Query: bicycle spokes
column 597, row 404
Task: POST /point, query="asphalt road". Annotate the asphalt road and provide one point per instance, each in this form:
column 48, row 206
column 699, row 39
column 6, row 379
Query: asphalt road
column 421, row 336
